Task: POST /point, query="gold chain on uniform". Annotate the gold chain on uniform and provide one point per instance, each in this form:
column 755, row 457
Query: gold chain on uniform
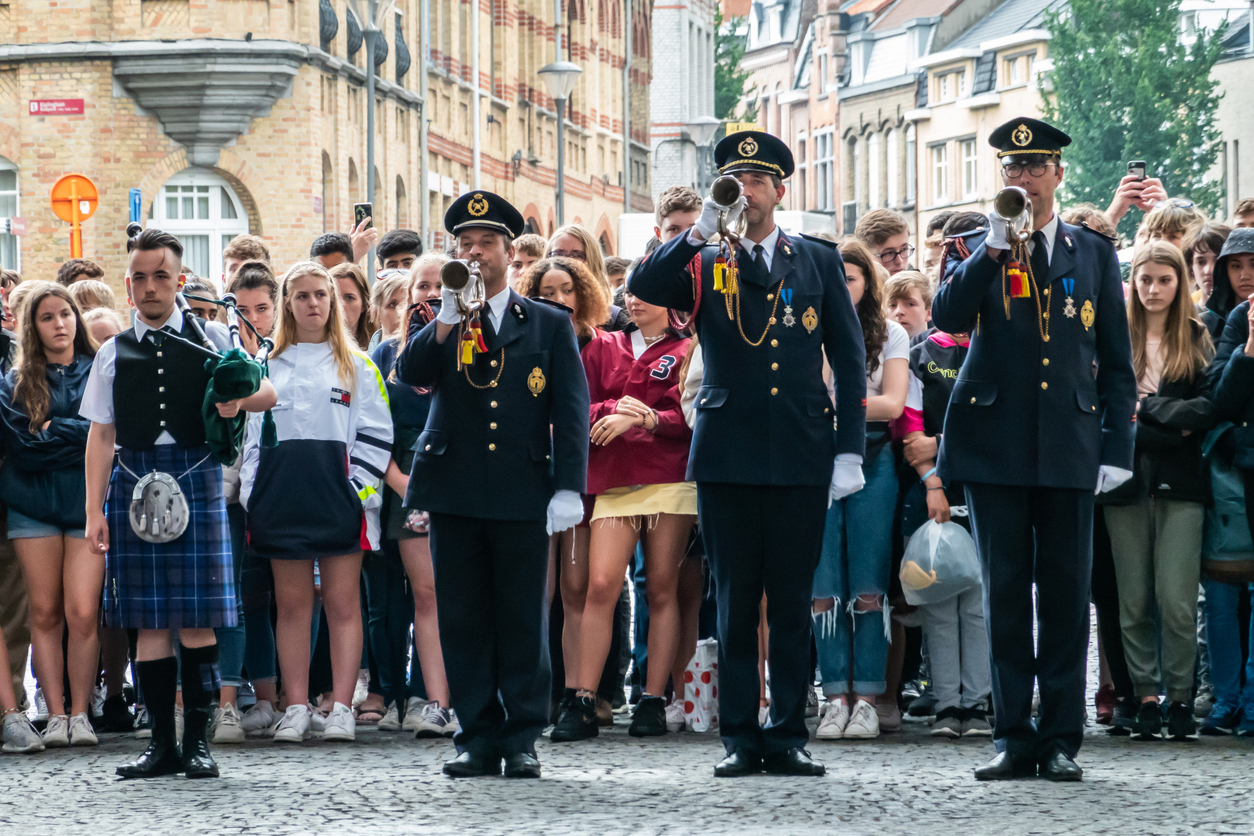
column 491, row 384
column 732, row 300
column 1042, row 314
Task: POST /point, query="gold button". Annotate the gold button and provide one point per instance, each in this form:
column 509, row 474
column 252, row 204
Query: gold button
column 774, row 391
column 160, row 371
column 492, row 425
column 428, row 447
column 163, row 423
column 547, row 457
column 772, row 321
column 491, row 446
column 770, row 297
column 158, row 353
column 774, row 343
column 163, row 406
column 493, row 404
column 1045, row 362
column 1044, row 385
column 160, row 388
column 493, row 364
column 775, row 367
column 826, row 410
column 1093, row 408
column 973, row 400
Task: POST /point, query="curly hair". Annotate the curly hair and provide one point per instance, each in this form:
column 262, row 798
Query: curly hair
column 870, row 307
column 592, row 299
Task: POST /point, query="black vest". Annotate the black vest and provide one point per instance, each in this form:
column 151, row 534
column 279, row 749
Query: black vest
column 156, row 389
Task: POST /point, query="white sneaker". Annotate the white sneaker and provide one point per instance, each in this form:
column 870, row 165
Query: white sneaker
column 834, row 721
column 41, row 707
column 435, row 721
column 413, row 714
column 764, row 714
column 363, row 687
column 293, row 726
column 454, row 727
column 391, row 719
column 227, row 725
column 259, row 719
column 864, row 724
column 57, row 732
column 341, row 724
column 675, row 715
column 81, row 732
column 317, row 723
column 19, row 735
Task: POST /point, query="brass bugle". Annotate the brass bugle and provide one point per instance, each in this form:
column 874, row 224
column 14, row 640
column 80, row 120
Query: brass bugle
column 455, row 274
column 1014, row 206
column 726, row 191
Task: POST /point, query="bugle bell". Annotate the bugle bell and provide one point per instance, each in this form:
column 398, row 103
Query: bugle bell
column 1014, row 207
column 455, row 274
column 459, row 274
column 725, row 191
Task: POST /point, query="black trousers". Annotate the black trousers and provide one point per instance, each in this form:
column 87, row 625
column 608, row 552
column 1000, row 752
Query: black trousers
column 1106, row 602
column 490, row 579
column 1038, row 536
column 758, row 539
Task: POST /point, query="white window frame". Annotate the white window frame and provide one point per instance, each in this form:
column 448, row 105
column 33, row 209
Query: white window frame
column 873, row 171
column 219, row 229
column 951, row 85
column 893, row 170
column 970, row 154
column 859, row 193
column 912, row 163
column 11, row 245
column 824, row 160
column 939, row 159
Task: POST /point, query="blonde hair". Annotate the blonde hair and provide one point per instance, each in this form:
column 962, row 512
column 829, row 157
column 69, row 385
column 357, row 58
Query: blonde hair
column 92, row 293
column 365, row 323
column 335, row 333
column 384, row 289
column 1186, row 344
column 899, row 286
column 593, row 259
column 16, row 297
column 91, row 316
column 1174, row 217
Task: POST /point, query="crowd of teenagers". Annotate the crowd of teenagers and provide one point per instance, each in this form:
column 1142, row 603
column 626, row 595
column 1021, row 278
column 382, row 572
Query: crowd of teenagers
column 322, row 613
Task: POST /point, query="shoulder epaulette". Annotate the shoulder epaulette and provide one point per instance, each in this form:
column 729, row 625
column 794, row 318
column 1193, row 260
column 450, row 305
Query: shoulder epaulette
column 1112, row 239
column 551, row 304
column 819, row 240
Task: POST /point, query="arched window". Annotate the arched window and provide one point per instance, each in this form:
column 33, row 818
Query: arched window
column 204, row 213
column 354, row 182
column 402, row 208
column 873, row 171
column 10, row 207
column 893, row 163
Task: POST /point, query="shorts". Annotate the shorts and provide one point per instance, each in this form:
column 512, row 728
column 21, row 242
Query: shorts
column 22, row 527
column 647, row 501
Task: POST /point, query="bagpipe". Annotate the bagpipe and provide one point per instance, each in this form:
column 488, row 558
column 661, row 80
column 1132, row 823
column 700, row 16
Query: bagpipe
column 233, row 374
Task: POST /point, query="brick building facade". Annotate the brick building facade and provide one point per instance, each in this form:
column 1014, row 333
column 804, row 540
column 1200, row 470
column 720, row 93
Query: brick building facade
column 249, row 115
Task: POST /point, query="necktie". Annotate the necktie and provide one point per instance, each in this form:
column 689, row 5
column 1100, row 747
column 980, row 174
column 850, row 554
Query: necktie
column 1040, row 258
column 755, row 266
column 485, row 322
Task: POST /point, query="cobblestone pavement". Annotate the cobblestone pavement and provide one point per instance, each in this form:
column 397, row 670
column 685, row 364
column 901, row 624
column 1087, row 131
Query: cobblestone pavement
column 388, row 783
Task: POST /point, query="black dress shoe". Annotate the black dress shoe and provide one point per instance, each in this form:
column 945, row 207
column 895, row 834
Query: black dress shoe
column 1006, row 767
column 472, row 765
column 793, row 762
column 160, row 758
column 738, row 763
column 522, row 765
column 1060, row 767
column 576, row 721
column 197, row 762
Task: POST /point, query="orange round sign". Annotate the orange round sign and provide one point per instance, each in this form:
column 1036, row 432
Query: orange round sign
column 74, row 191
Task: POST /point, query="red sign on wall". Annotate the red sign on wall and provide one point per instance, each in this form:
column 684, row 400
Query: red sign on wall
column 55, row 107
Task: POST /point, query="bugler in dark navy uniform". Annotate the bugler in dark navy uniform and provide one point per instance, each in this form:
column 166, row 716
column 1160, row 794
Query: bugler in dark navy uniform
column 763, row 447
column 491, row 474
column 1041, row 414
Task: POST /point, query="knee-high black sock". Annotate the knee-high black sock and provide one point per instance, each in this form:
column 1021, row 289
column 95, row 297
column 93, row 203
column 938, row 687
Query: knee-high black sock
column 201, row 679
column 159, row 680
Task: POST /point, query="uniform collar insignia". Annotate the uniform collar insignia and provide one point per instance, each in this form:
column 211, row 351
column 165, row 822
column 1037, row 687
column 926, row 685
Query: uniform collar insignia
column 519, row 313
column 784, row 244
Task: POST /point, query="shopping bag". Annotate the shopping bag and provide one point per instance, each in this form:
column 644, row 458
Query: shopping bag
column 701, row 688
column 939, row 563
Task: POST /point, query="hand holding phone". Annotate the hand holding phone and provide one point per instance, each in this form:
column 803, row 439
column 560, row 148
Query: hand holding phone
column 1136, row 168
column 363, row 212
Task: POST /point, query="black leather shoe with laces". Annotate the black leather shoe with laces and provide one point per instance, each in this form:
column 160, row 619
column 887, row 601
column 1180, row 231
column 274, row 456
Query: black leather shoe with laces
column 578, row 721
column 793, row 762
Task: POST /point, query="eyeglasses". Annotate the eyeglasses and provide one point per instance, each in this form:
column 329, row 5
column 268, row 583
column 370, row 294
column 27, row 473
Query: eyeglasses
column 1013, row 171
column 1175, row 203
column 387, row 272
column 578, row 255
column 889, row 256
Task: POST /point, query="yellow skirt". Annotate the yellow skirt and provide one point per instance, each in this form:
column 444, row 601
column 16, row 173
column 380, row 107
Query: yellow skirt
column 647, row 501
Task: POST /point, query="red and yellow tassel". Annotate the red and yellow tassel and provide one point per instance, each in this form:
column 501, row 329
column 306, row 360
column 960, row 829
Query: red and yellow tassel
column 1019, row 286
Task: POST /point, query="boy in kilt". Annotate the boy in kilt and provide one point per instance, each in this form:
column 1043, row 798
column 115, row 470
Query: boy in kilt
column 144, row 398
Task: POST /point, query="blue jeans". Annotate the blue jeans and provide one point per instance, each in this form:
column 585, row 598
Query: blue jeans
column 231, row 641
column 1223, row 640
column 856, row 560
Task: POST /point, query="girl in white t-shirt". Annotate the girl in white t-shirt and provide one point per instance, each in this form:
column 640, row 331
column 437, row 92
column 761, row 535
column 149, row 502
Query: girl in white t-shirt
column 851, row 581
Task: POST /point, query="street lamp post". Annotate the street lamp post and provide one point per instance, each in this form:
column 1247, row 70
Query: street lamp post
column 560, row 77
column 370, row 14
column 701, row 131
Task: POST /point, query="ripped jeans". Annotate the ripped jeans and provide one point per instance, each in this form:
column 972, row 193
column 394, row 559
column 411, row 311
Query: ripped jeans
column 856, row 560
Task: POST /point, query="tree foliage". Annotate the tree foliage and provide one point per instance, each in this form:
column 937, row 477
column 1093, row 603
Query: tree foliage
column 1125, row 87
column 729, row 78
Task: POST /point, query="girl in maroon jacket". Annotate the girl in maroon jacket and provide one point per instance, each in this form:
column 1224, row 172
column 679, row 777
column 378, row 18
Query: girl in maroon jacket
column 636, row 468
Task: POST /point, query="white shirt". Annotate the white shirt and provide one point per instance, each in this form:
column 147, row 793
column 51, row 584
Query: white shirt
column 896, row 347
column 496, row 308
column 1050, row 231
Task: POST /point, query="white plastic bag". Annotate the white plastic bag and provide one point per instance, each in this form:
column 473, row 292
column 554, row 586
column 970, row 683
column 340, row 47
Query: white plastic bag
column 701, row 688
column 940, row 562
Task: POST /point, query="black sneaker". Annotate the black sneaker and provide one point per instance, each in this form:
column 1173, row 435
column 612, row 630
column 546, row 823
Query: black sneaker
column 1181, row 724
column 578, row 721
column 650, row 718
column 1149, row 721
column 114, row 716
column 556, row 709
column 1123, row 721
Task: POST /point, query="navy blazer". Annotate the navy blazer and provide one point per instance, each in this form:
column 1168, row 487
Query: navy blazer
column 763, row 414
column 1029, row 412
column 489, row 453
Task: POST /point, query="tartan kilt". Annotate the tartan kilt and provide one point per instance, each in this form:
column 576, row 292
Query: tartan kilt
column 186, row 583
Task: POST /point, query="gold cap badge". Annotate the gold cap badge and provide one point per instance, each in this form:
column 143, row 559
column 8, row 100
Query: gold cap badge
column 1021, row 136
column 748, row 147
column 478, row 206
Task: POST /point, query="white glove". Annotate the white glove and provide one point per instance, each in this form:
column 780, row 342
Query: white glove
column 450, row 313
column 996, row 239
column 847, row 477
column 707, row 224
column 565, row 511
column 1110, row 477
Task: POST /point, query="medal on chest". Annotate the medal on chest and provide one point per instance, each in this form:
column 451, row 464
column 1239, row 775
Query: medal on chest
column 1087, row 314
column 789, row 319
column 1068, row 285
